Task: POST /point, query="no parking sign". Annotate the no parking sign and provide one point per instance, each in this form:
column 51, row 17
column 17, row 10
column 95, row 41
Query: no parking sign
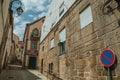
column 107, row 57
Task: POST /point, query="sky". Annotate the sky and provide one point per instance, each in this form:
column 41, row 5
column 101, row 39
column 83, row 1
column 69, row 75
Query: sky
column 33, row 10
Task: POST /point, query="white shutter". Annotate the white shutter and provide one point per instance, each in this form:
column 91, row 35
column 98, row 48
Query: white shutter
column 86, row 17
column 52, row 43
column 62, row 35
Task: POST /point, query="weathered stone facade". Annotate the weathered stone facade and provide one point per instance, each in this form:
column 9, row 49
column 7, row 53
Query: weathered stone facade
column 21, row 55
column 29, row 49
column 7, row 48
column 83, row 46
column 6, row 21
column 16, row 50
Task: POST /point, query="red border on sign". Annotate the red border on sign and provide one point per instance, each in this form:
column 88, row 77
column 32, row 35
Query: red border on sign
column 107, row 65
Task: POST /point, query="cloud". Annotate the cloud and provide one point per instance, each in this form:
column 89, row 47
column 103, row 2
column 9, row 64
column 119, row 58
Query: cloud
column 38, row 5
column 35, row 18
column 42, row 14
column 19, row 29
column 30, row 15
column 17, row 20
column 34, row 9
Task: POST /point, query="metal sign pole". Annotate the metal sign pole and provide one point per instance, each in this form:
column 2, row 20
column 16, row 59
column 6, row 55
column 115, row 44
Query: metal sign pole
column 109, row 74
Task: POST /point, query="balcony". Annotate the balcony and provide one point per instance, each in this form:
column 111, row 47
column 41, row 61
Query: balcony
column 32, row 52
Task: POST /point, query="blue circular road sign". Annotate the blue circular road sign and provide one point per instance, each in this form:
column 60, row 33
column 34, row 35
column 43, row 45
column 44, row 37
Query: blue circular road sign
column 107, row 57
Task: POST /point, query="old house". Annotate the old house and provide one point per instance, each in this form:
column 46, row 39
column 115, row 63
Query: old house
column 74, row 34
column 31, row 39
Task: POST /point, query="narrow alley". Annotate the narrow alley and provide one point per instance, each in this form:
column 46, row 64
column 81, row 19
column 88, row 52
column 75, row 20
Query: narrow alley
column 59, row 39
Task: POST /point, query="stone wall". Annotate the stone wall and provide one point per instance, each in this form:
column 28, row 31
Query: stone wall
column 83, row 46
column 3, row 18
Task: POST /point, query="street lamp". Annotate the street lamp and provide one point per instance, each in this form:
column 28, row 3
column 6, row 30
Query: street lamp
column 16, row 7
column 19, row 10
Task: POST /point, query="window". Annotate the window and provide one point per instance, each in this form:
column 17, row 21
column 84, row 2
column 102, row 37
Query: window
column 61, row 47
column 62, row 40
column 35, row 32
column 33, row 45
column 61, row 9
column 43, row 48
column 86, row 17
column 50, row 68
column 52, row 43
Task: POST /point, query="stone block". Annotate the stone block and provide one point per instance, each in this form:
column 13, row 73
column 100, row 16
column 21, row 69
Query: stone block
column 80, row 74
column 86, row 74
column 87, row 30
column 104, row 72
column 99, row 68
column 102, row 78
column 115, row 78
column 118, row 70
column 92, row 61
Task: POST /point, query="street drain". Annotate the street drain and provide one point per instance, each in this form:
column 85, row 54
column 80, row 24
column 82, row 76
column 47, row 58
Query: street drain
column 10, row 77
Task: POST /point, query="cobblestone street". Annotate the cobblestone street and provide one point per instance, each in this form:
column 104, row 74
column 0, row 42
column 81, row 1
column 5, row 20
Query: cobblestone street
column 17, row 74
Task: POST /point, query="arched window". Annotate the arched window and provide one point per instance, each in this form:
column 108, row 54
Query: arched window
column 35, row 32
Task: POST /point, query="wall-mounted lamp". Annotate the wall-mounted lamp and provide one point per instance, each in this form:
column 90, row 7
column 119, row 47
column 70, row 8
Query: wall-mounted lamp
column 19, row 10
column 16, row 7
column 106, row 7
column 109, row 9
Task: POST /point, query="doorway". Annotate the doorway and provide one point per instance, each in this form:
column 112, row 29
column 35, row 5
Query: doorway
column 42, row 66
column 32, row 62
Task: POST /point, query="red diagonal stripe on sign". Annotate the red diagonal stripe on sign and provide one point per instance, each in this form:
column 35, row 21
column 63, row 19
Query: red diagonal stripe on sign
column 107, row 58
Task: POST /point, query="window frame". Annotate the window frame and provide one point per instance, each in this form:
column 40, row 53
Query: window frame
column 35, row 45
column 62, row 44
column 62, row 48
column 50, row 68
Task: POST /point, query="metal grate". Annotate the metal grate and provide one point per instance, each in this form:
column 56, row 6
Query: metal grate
column 10, row 77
